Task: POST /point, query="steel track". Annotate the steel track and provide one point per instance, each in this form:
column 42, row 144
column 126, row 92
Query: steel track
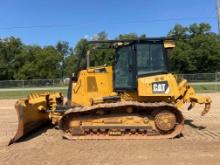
column 126, row 135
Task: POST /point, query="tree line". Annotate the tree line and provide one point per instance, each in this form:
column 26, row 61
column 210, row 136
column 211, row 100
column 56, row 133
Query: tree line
column 197, row 51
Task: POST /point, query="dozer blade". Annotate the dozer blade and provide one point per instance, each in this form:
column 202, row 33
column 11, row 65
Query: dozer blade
column 29, row 119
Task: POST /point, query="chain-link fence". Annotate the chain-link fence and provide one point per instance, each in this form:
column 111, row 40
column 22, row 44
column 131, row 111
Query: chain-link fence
column 21, row 88
column 201, row 82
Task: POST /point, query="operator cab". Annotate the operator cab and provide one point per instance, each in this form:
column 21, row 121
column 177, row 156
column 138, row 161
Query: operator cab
column 138, row 59
column 134, row 58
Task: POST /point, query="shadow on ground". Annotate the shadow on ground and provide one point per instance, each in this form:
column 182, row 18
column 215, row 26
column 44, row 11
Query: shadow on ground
column 35, row 133
column 189, row 122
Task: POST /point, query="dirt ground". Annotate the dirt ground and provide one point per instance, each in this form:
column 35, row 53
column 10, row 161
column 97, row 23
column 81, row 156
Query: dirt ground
column 200, row 144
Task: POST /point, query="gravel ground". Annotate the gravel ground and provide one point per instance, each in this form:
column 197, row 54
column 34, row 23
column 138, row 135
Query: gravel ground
column 200, row 144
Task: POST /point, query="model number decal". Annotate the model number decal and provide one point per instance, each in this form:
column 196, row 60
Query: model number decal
column 160, row 87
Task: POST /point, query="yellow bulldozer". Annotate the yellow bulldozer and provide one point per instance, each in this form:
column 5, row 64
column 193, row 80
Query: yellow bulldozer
column 136, row 98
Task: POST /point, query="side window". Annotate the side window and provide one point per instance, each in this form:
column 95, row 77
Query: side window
column 143, row 58
column 158, row 58
column 125, row 69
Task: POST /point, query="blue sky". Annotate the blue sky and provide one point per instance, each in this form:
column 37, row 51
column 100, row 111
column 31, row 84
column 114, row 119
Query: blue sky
column 45, row 22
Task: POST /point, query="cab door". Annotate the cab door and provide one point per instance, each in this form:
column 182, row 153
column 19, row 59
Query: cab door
column 125, row 69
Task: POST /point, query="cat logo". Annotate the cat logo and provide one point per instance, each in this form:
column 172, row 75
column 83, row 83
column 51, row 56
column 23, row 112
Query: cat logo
column 160, row 87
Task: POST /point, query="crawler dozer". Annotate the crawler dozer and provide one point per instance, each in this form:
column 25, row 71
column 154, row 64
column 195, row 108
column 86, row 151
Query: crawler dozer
column 136, row 98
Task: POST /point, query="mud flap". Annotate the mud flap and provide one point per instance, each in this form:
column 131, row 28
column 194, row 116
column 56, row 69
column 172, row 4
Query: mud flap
column 29, row 119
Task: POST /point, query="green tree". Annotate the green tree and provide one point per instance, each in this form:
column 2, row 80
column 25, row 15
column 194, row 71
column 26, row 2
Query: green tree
column 197, row 49
column 70, row 64
column 179, row 32
column 100, row 56
column 10, row 48
column 26, row 63
column 64, row 50
column 130, row 36
column 199, row 29
column 39, row 63
column 127, row 36
column 100, row 36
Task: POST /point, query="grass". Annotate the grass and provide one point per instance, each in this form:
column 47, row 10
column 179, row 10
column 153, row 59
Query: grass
column 25, row 93
column 206, row 88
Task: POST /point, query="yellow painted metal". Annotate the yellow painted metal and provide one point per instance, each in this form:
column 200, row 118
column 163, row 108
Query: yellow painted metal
column 168, row 44
column 145, row 85
column 92, row 84
column 113, row 120
column 33, row 112
column 95, row 83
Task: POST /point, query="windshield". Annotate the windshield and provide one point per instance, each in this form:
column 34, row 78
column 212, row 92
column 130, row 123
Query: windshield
column 150, row 58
